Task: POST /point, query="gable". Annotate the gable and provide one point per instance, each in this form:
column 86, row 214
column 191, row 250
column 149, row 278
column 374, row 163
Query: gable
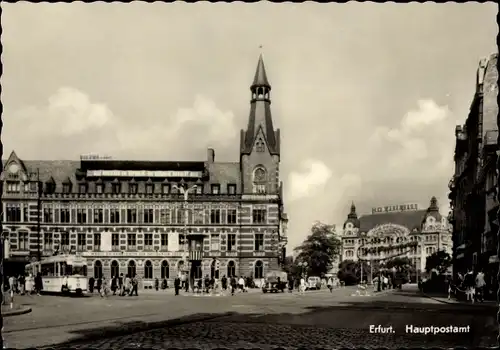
column 260, row 141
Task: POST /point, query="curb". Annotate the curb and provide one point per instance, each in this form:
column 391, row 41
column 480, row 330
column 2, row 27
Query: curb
column 17, row 312
column 474, row 306
column 124, row 329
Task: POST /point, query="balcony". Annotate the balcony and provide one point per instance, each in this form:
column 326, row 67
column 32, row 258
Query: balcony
column 115, row 248
column 97, row 248
column 164, row 248
column 148, row 248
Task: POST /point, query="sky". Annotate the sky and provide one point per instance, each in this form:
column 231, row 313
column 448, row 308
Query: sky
column 366, row 95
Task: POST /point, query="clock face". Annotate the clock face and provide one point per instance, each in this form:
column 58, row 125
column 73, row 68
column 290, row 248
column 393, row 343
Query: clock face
column 260, row 174
column 14, row 168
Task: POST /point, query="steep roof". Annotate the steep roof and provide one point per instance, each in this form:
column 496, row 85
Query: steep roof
column 408, row 219
column 260, row 117
column 260, row 78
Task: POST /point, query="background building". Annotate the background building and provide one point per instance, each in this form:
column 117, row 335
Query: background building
column 386, row 231
column 154, row 218
column 473, row 186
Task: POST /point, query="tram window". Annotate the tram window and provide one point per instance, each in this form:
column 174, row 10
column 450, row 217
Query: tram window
column 79, row 270
column 48, row 269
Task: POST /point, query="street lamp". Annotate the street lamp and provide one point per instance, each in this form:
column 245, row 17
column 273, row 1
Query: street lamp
column 185, row 193
column 303, row 267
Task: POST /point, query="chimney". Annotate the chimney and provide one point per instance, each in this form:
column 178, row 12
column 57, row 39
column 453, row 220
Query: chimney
column 210, row 155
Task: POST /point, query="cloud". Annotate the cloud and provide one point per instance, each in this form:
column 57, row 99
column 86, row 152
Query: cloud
column 421, row 140
column 70, row 118
column 307, row 182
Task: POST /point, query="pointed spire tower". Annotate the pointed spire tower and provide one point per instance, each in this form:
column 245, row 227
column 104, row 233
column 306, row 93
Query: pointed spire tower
column 260, row 142
column 260, row 128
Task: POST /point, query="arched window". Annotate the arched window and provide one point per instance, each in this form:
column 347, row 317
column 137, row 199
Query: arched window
column 259, row 180
column 131, row 269
column 97, row 269
column 231, row 269
column 214, row 273
column 115, row 269
column 258, row 269
column 148, row 270
column 165, row 269
column 260, row 146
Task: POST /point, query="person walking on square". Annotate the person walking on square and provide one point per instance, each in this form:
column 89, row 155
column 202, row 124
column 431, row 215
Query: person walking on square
column 157, row 284
column 469, row 285
column 22, row 284
column 480, row 284
column 91, row 284
column 104, row 287
column 302, row 286
column 114, row 284
column 134, row 288
column 177, row 285
column 120, row 284
column 233, row 285
column 38, row 283
column 99, row 285
column 224, row 282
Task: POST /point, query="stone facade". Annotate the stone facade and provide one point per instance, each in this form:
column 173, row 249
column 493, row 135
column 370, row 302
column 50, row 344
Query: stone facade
column 154, row 219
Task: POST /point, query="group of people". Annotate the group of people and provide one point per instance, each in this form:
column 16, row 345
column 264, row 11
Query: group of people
column 209, row 285
column 17, row 285
column 473, row 284
column 127, row 285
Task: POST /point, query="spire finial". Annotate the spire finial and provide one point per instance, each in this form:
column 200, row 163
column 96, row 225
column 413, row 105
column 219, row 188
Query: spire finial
column 260, row 78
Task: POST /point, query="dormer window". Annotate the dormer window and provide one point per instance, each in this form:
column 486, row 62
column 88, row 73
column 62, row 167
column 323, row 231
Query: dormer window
column 66, row 188
column 199, row 189
column 215, row 189
column 99, row 188
column 50, row 187
column 116, row 188
column 132, row 189
column 165, row 189
column 149, row 188
column 82, row 188
column 259, row 146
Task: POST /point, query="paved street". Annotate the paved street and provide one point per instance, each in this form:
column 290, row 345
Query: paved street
column 245, row 320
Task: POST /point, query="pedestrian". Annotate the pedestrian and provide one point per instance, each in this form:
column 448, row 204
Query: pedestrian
column 469, row 285
column 183, row 280
column 480, row 284
column 186, row 285
column 38, row 283
column 302, row 287
column 126, row 285
column 177, row 285
column 22, row 284
column 290, row 284
column 104, row 287
column 135, row 284
column 114, row 284
column 99, row 284
column 207, row 284
column 241, row 284
column 224, row 282
column 329, row 284
column 64, row 287
column 233, row 285
column 157, row 284
column 120, row 284
column 91, row 284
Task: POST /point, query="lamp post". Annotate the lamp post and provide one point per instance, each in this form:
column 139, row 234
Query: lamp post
column 303, row 267
column 185, row 193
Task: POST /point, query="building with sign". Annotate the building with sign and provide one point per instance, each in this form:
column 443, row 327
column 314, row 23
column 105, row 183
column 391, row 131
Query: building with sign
column 473, row 187
column 397, row 231
column 155, row 219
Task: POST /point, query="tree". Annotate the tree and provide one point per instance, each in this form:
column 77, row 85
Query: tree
column 439, row 260
column 290, row 267
column 319, row 249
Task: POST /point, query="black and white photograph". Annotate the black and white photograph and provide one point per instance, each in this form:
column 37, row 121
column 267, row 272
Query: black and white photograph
column 249, row 175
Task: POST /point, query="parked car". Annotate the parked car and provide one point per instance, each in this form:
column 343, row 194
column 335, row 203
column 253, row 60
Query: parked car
column 313, row 283
column 275, row 281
